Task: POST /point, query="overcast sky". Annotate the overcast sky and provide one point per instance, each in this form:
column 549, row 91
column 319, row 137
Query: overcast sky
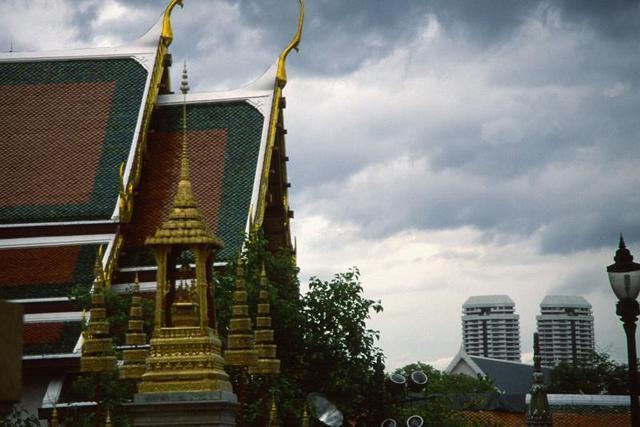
column 447, row 148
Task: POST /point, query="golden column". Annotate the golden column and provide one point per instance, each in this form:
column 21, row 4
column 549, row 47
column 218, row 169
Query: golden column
column 185, row 352
column 97, row 348
column 136, row 351
column 268, row 363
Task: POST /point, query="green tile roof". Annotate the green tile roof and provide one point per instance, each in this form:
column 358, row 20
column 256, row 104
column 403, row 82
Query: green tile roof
column 222, row 183
column 56, row 90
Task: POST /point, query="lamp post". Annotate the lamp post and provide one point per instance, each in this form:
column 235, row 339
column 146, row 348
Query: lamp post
column 624, row 276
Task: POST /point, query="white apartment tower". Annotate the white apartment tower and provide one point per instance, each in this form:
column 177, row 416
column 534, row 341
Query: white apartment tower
column 565, row 328
column 490, row 327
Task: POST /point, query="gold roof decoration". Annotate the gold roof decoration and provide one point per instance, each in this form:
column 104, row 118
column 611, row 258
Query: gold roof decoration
column 281, row 75
column 185, row 224
column 273, row 415
column 107, row 422
column 97, row 349
column 54, row 418
column 268, row 363
column 167, row 32
column 135, row 354
column 305, row 417
column 240, row 351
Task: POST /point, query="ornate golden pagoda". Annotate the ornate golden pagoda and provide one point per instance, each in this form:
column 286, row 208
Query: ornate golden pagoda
column 97, row 348
column 185, row 351
column 268, row 363
column 240, row 351
column 136, row 352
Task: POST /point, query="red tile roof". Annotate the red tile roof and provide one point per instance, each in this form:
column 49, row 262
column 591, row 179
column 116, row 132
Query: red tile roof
column 45, row 271
column 50, row 338
column 54, row 151
column 47, row 266
column 162, row 173
column 560, row 418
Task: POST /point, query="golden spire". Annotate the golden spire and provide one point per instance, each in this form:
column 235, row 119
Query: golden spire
column 240, row 350
column 107, row 423
column 97, row 349
column 305, row 417
column 281, row 75
column 134, row 357
column 167, row 32
column 185, row 224
column 268, row 363
column 54, row 418
column 273, row 416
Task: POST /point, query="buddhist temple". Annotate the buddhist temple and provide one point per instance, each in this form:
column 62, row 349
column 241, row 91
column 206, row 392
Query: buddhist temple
column 99, row 150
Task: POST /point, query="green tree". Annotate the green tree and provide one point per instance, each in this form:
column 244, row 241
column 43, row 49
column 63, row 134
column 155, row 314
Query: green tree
column 595, row 374
column 286, row 312
column 439, row 405
column 339, row 349
column 20, row 417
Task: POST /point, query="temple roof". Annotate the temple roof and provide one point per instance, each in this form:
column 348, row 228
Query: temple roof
column 226, row 144
column 50, row 338
column 66, row 126
column 46, row 271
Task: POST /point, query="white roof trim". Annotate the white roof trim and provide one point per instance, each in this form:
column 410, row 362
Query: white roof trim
column 145, row 45
column 148, row 65
column 585, row 399
column 463, row 356
column 31, row 242
column 77, row 54
column 252, row 97
column 64, row 316
column 144, row 287
column 69, row 405
column 154, row 268
column 36, row 300
column 50, row 356
column 50, row 224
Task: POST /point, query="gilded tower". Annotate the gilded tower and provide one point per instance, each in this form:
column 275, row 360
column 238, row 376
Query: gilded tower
column 97, row 348
column 185, row 351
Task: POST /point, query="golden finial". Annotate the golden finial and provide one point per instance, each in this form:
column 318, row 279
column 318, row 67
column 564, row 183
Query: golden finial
column 54, row 418
column 167, row 32
column 107, row 423
column 281, row 75
column 273, row 416
column 184, row 161
column 136, row 284
column 305, row 417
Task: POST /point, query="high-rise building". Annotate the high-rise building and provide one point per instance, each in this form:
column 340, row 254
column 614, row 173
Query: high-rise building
column 490, row 327
column 565, row 327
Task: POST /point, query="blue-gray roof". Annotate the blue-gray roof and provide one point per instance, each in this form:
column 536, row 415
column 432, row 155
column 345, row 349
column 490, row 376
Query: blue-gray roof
column 508, row 377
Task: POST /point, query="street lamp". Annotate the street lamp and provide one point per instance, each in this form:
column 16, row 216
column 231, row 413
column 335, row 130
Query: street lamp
column 624, row 276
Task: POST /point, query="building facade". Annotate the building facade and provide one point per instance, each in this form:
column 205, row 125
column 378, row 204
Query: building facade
column 490, row 327
column 565, row 327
